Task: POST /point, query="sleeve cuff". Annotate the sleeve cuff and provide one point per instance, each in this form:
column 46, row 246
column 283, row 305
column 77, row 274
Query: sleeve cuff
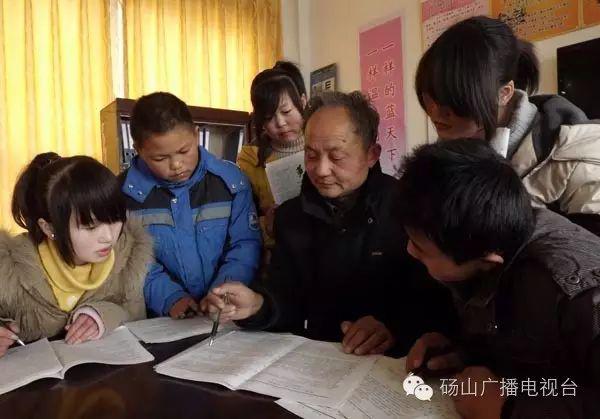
column 262, row 319
column 172, row 299
column 95, row 316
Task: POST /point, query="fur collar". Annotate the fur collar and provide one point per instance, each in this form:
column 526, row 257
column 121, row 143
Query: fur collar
column 21, row 266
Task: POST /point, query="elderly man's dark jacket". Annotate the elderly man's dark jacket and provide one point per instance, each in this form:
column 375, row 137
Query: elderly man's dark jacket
column 327, row 268
column 539, row 319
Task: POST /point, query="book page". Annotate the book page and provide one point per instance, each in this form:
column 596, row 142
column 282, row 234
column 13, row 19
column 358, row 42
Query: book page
column 166, row 329
column 382, row 395
column 118, row 347
column 315, row 372
column 233, row 358
column 23, row 364
column 306, row 411
column 285, row 177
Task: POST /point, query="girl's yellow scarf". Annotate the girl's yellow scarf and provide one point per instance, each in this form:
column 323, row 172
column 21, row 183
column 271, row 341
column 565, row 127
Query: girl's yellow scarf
column 70, row 282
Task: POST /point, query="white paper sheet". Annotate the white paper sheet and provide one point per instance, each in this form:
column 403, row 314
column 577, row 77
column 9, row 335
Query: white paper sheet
column 315, row 372
column 166, row 329
column 381, row 395
column 285, row 177
column 279, row 365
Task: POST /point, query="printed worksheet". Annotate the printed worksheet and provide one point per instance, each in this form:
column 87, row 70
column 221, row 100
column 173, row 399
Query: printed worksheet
column 166, row 329
column 385, row 392
column 279, row 365
column 285, row 177
column 233, row 359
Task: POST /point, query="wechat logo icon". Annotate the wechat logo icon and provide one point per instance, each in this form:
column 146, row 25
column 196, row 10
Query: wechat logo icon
column 415, row 386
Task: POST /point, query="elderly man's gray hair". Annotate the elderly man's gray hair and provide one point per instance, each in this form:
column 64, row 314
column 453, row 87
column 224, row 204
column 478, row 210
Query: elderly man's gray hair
column 362, row 113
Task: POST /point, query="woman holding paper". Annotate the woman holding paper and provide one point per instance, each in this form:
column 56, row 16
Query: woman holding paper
column 80, row 267
column 278, row 98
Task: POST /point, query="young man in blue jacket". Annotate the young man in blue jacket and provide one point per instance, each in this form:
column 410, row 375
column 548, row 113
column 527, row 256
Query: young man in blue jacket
column 198, row 208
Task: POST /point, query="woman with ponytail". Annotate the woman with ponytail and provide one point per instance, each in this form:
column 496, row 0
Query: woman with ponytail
column 475, row 81
column 79, row 268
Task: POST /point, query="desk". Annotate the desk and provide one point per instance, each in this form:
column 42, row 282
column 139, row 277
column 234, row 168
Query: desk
column 97, row 391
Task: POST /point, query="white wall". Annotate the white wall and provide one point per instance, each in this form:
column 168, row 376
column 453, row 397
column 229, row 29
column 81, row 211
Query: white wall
column 327, row 32
column 294, row 15
column 289, row 35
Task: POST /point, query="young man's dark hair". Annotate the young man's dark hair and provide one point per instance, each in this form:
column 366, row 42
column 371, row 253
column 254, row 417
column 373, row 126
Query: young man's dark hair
column 362, row 113
column 525, row 281
column 461, row 189
column 158, row 113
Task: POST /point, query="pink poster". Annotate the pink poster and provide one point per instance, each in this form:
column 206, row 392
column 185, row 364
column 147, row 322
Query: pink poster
column 381, row 73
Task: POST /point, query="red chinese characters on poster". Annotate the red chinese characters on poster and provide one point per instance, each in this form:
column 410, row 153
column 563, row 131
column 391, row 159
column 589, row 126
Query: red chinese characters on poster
column 381, row 75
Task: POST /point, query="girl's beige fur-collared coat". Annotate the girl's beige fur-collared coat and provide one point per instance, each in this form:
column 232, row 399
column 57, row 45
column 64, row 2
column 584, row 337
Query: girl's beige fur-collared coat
column 27, row 298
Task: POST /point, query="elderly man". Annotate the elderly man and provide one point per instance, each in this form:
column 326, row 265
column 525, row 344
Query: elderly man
column 339, row 270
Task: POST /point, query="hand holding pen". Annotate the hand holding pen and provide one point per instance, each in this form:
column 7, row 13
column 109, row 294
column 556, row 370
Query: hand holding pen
column 433, row 355
column 8, row 336
column 242, row 302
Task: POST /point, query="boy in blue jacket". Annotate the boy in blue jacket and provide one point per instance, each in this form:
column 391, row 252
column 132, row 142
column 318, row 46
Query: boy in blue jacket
column 198, row 208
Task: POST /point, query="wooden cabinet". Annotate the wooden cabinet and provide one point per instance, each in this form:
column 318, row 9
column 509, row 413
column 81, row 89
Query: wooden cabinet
column 222, row 132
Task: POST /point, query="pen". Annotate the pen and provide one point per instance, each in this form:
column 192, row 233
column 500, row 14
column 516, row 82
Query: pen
column 213, row 332
column 5, row 325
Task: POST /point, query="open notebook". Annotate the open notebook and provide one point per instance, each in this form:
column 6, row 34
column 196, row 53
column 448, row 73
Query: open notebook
column 43, row 359
column 279, row 365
